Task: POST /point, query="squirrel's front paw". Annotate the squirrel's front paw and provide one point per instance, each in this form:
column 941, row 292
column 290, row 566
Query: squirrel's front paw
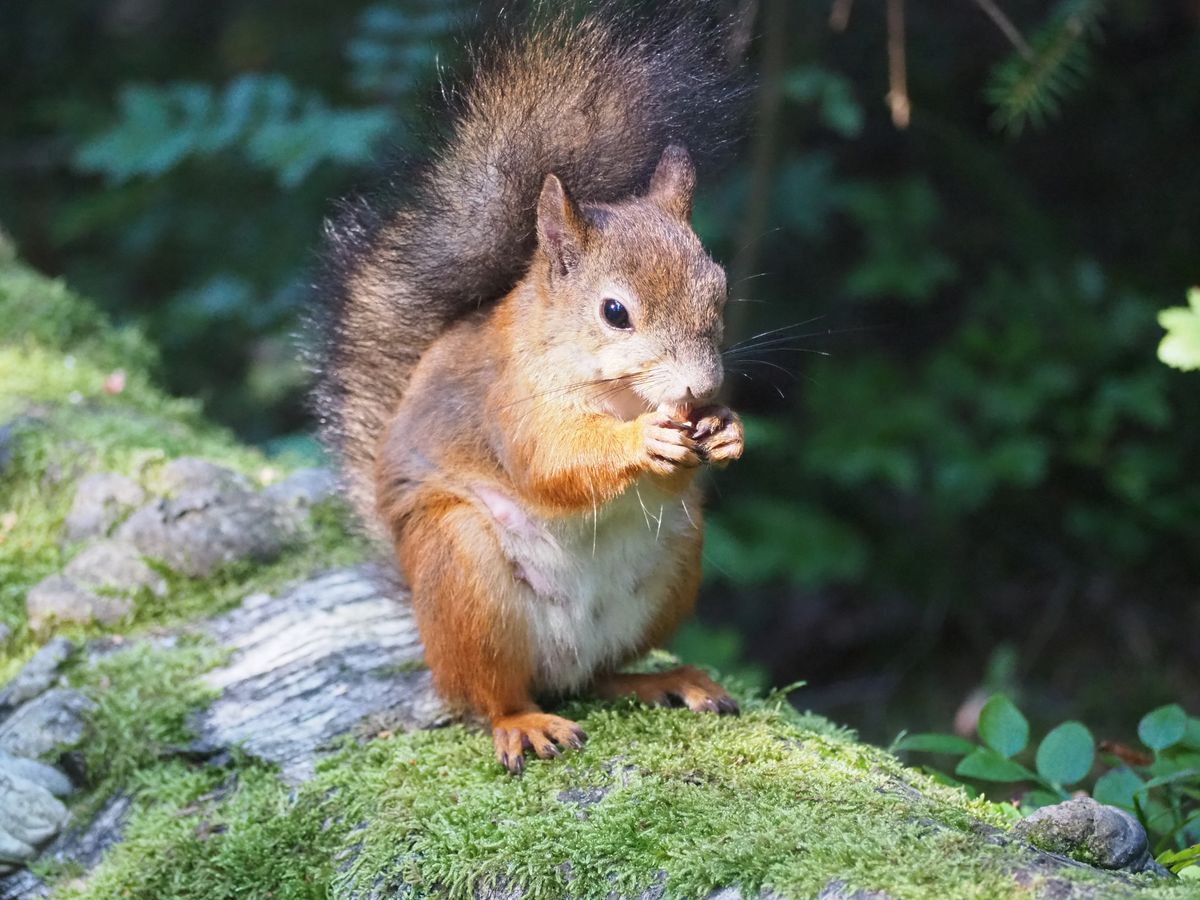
column 544, row 734
column 667, row 444
column 718, row 434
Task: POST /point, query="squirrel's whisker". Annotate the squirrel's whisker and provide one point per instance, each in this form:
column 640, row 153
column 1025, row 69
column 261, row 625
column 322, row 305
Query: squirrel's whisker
column 777, row 331
column 824, row 332
column 743, row 356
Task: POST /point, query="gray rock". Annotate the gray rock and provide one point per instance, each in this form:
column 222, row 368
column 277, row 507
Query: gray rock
column 101, row 501
column 13, row 852
column 29, row 816
column 206, row 524
column 39, row 773
column 303, row 488
column 84, row 845
column 313, row 663
column 22, row 885
column 38, row 674
column 52, row 720
column 59, row 598
column 583, row 796
column 6, row 445
column 109, row 565
column 657, row 890
column 199, row 480
column 839, row 890
column 1092, row 833
column 5, row 632
column 79, row 846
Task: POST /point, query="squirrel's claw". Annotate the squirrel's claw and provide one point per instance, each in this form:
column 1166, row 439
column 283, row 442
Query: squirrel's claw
column 544, row 734
column 718, row 434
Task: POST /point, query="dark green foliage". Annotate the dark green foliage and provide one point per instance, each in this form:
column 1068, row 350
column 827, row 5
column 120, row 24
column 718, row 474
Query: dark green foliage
column 263, row 118
column 395, row 48
column 1003, row 727
column 1161, row 788
column 1032, row 87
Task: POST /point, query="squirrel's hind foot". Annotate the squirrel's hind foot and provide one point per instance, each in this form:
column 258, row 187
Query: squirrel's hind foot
column 685, row 686
column 544, row 734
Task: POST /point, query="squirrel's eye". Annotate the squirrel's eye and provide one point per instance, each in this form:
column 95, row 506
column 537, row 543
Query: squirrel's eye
column 615, row 314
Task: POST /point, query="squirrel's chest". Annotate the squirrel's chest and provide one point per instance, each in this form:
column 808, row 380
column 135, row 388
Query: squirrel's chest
column 596, row 582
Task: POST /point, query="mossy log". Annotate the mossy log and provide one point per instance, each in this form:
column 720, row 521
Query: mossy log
column 252, row 719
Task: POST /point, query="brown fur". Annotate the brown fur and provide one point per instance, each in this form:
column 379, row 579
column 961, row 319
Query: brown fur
column 507, row 399
column 594, row 100
column 463, row 422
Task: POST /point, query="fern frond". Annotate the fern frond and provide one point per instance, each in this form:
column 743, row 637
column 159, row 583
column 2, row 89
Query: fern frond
column 1030, row 88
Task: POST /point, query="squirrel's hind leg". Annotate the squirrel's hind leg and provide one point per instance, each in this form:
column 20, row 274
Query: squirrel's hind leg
column 471, row 615
column 684, row 686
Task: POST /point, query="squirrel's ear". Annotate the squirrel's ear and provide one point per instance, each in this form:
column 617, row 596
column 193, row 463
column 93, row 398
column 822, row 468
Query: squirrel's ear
column 673, row 182
column 561, row 229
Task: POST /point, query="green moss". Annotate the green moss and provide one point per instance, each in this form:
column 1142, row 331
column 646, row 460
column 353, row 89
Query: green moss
column 62, row 424
column 203, row 832
column 49, row 457
column 144, row 696
column 759, row 801
column 41, row 315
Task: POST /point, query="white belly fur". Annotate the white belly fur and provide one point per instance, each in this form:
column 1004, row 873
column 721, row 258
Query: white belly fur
column 595, row 581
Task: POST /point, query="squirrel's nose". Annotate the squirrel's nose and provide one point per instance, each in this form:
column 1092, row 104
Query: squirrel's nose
column 705, row 386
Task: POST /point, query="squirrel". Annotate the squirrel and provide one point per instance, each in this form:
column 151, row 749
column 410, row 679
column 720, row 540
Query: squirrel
column 521, row 358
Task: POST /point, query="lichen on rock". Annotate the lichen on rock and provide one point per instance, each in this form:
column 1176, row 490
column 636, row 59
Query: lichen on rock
column 1092, row 833
column 102, row 500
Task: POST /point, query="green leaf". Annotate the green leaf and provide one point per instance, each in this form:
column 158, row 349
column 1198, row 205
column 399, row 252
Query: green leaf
column 1171, row 778
column 833, row 93
column 1117, row 788
column 1191, row 737
column 988, row 765
column 1181, row 345
column 265, row 117
column 1002, row 726
column 935, row 743
column 1066, row 754
column 1163, row 727
column 1182, row 861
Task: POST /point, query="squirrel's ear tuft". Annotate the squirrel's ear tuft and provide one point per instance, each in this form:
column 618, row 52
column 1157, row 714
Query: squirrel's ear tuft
column 673, row 182
column 561, row 230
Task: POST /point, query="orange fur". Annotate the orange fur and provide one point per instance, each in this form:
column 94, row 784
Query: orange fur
column 529, row 422
column 685, row 686
column 467, row 609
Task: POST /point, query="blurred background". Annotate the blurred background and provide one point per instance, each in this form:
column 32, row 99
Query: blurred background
column 967, row 469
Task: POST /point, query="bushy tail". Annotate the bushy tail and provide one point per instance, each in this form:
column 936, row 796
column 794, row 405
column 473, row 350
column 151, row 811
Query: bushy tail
column 593, row 100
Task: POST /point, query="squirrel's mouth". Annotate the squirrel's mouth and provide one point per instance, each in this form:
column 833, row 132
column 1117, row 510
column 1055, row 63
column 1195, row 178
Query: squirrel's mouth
column 628, row 403
column 625, row 403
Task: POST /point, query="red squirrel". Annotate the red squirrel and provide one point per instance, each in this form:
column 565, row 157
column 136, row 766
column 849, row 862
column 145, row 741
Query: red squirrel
column 522, row 358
